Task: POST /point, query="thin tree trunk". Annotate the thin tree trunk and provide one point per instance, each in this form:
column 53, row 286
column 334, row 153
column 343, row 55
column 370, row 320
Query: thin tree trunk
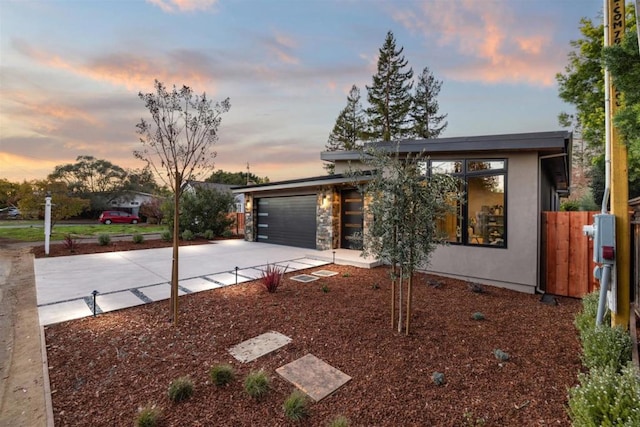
column 409, row 285
column 174, row 266
column 393, row 295
column 400, row 301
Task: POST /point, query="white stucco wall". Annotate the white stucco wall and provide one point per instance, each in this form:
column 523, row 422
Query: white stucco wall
column 516, row 266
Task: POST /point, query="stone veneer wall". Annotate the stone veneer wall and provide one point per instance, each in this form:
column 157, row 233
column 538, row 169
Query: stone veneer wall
column 249, row 235
column 328, row 219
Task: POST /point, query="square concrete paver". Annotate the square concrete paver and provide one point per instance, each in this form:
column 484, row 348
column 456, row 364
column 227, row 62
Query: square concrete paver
column 227, row 278
column 117, row 300
column 304, row 278
column 258, row 346
column 159, row 292
column 312, row 262
column 324, row 273
column 292, row 266
column 198, row 284
column 313, row 376
column 62, row 311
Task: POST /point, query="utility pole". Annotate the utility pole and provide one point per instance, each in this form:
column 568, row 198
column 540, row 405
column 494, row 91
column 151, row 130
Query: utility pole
column 615, row 27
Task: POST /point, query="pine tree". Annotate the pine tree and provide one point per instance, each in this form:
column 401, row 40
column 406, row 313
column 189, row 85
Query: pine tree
column 390, row 94
column 424, row 113
column 349, row 127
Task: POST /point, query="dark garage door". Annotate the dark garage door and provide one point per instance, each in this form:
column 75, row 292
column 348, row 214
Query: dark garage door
column 288, row 221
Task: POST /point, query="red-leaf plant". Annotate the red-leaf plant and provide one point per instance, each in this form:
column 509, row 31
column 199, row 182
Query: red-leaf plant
column 271, row 277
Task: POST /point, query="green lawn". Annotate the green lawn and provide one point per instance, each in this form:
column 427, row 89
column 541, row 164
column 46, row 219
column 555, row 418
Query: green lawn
column 33, row 231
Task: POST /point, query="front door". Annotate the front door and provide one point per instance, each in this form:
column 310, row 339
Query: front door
column 351, row 219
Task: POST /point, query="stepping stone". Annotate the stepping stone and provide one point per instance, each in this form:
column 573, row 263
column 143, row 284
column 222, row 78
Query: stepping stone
column 304, row 278
column 313, row 376
column 258, row 346
column 324, row 273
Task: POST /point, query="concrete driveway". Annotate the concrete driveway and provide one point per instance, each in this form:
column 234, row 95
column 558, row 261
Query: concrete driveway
column 125, row 279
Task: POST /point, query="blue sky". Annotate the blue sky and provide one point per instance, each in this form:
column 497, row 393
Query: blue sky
column 70, row 71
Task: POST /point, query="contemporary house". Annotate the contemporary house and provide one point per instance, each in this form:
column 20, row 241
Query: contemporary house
column 130, row 201
column 494, row 239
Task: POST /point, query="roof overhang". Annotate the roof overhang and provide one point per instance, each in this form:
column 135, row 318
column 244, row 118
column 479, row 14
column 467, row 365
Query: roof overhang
column 542, row 142
column 317, row 181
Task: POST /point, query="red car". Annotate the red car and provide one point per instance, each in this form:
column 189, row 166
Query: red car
column 108, row 217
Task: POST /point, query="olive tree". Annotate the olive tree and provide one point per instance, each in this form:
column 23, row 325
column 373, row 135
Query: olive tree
column 177, row 143
column 404, row 205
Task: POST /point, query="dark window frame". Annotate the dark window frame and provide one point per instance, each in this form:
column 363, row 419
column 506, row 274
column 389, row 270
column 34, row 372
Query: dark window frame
column 464, row 176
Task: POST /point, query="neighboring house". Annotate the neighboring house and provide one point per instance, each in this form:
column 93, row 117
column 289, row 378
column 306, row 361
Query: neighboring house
column 509, row 180
column 130, row 201
column 193, row 186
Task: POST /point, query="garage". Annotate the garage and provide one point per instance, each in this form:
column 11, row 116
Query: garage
column 289, row 220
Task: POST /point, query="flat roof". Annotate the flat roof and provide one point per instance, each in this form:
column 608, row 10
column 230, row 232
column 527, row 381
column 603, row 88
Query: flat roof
column 545, row 142
column 303, row 182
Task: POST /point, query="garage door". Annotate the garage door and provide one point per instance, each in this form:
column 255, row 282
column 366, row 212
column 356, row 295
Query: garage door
column 288, row 221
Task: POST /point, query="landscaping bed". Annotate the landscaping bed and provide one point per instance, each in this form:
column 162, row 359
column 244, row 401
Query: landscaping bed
column 82, row 248
column 103, row 369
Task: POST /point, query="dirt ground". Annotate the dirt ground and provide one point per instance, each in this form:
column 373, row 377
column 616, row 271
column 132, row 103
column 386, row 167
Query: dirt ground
column 22, row 400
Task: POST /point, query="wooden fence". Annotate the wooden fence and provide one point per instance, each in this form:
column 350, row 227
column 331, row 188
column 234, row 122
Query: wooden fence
column 567, row 254
column 237, row 227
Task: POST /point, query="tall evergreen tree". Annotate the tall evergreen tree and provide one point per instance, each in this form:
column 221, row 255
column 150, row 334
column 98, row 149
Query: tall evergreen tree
column 349, row 127
column 424, row 113
column 390, row 94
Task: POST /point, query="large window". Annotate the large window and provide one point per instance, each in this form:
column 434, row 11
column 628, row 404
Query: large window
column 481, row 217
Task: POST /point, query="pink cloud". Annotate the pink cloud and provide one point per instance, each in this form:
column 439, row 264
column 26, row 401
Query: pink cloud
column 122, row 69
column 171, row 6
column 282, row 47
column 492, row 44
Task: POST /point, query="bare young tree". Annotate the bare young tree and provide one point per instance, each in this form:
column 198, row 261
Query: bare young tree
column 177, row 143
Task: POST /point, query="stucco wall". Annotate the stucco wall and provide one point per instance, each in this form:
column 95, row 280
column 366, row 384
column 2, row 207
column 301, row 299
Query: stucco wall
column 516, row 266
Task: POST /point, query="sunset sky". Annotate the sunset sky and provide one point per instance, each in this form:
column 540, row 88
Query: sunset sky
column 70, row 71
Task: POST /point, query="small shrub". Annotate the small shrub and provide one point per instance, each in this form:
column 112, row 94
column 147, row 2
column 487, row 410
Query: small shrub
column 208, row 234
column 187, row 235
column 606, row 346
column 221, row 374
column 271, row 277
column 501, row 355
column 438, row 378
column 606, row 398
column 180, row 389
column 586, row 318
column 477, row 316
column 148, row 416
column 339, row 421
column 570, row 205
column 138, row 238
column 375, row 286
column 346, row 274
column 324, row 288
column 70, row 243
column 104, row 239
column 166, row 236
column 296, row 406
column 227, row 234
column 256, row 384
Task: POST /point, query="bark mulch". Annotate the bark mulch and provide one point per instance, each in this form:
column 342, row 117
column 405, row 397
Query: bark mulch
column 103, row 369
